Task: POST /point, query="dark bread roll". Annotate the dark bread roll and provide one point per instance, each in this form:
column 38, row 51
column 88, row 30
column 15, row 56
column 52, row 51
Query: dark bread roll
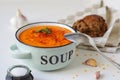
column 92, row 25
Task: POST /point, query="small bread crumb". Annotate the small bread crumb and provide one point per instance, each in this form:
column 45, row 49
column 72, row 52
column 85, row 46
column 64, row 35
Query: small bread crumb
column 85, row 55
column 113, row 75
column 85, row 70
column 97, row 55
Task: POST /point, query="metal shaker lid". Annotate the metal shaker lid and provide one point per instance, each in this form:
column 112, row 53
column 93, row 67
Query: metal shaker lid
column 19, row 72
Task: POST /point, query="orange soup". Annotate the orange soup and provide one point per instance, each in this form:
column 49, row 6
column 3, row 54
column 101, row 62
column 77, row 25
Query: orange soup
column 44, row 36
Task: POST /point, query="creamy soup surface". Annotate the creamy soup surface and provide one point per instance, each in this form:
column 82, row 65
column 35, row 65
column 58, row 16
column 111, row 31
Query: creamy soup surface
column 44, row 36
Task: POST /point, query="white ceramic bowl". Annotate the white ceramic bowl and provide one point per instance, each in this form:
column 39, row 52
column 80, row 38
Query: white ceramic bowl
column 45, row 59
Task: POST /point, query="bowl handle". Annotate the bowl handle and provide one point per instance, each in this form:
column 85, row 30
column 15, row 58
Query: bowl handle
column 19, row 54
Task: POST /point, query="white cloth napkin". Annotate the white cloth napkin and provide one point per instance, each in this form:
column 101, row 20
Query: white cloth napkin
column 110, row 42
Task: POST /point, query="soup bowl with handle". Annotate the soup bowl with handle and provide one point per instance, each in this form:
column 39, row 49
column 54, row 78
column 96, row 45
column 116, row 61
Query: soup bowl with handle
column 44, row 58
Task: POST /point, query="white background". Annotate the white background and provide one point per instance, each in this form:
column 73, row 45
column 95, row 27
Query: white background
column 50, row 10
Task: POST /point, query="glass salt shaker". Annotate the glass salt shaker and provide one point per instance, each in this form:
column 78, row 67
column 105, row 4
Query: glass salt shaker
column 19, row 72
